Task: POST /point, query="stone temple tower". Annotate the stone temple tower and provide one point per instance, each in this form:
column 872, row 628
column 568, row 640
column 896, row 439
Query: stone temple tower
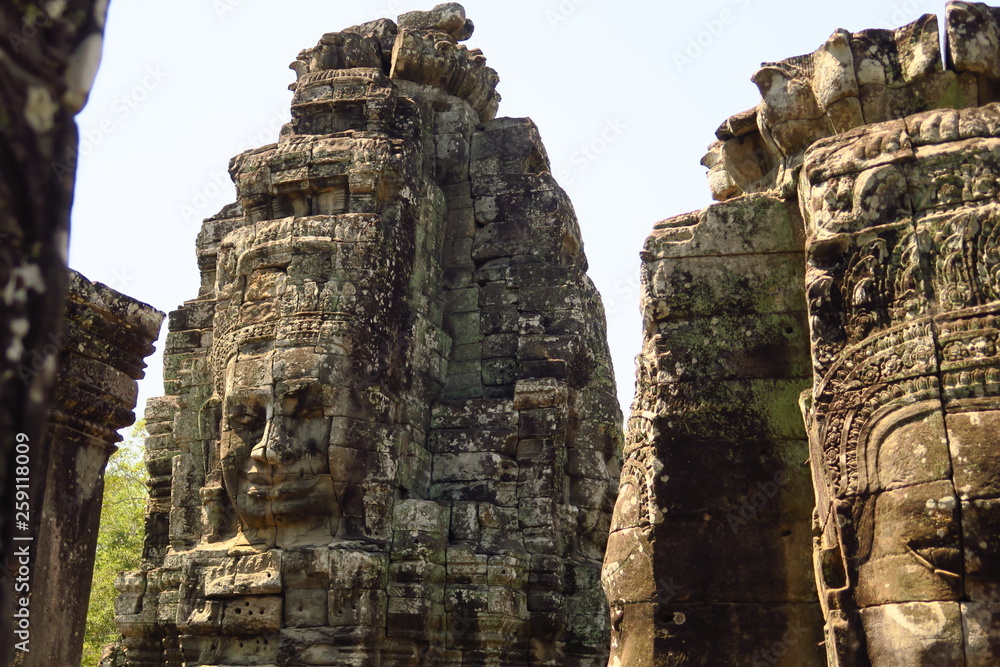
column 851, row 262
column 390, row 433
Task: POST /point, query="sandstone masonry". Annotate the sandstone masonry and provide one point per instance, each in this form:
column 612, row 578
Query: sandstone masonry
column 390, row 433
column 851, row 257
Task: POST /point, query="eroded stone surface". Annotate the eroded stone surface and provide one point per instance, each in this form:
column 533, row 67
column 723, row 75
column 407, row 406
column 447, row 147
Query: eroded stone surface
column 709, row 560
column 857, row 230
column 903, row 305
column 105, row 338
column 390, row 434
column 853, row 80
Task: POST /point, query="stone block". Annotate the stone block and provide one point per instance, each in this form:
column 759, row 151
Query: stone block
column 921, row 633
column 357, row 608
column 306, row 607
column 499, row 345
column 470, row 466
column 455, row 441
column 972, row 450
column 499, row 320
column 417, row 571
column 541, row 423
column 710, row 286
column 474, row 414
column 464, row 522
column 351, row 569
column 539, row 393
column 735, row 347
column 419, row 545
column 422, row 515
column 251, row 615
column 731, row 410
column 500, row 371
column 249, row 575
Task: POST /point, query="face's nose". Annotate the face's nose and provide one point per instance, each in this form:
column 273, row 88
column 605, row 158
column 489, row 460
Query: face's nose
column 274, row 446
column 259, row 451
column 295, row 435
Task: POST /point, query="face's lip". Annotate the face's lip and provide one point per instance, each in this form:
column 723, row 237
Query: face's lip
column 264, row 488
column 258, row 478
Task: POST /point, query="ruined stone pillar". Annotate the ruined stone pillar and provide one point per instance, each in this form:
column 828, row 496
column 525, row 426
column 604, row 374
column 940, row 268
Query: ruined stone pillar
column 709, row 556
column 390, row 430
column 105, row 338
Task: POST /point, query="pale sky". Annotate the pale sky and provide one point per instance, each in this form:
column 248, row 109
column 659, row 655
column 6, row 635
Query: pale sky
column 627, row 96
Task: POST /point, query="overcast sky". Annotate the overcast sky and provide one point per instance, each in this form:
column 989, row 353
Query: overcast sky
column 627, row 96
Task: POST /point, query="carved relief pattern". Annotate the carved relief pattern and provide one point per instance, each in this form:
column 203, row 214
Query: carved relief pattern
column 903, row 310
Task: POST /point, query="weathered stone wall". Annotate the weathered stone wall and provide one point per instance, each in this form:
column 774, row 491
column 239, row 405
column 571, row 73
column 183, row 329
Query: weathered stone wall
column 396, row 313
column 887, row 150
column 709, row 558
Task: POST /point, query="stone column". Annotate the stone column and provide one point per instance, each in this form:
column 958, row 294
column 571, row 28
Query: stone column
column 709, row 556
column 105, row 338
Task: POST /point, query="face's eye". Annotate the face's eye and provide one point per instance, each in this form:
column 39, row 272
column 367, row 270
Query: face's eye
column 244, row 420
column 247, row 421
column 303, row 402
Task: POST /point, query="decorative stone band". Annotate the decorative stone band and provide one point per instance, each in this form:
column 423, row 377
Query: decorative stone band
column 969, row 344
column 891, row 356
column 253, row 262
column 902, row 224
column 948, row 358
column 360, row 82
column 931, row 163
column 332, row 101
column 306, row 175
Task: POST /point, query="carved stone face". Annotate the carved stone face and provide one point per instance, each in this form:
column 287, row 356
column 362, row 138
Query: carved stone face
column 909, row 556
column 904, row 295
column 275, row 443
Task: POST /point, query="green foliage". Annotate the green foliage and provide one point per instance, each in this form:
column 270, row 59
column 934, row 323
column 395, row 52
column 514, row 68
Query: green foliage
column 119, row 541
